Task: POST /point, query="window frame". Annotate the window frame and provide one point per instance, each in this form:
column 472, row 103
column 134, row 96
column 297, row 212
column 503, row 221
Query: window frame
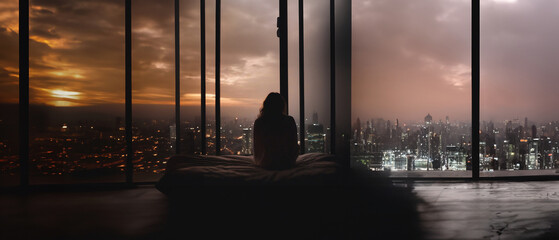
column 335, row 133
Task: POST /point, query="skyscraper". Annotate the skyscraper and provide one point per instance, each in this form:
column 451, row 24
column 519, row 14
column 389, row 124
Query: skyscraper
column 428, row 119
column 173, row 135
column 316, row 138
column 247, row 141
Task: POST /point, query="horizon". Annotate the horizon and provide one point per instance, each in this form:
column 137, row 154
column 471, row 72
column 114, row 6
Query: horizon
column 194, row 111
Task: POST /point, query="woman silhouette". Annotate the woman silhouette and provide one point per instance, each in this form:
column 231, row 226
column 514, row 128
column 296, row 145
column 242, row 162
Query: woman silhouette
column 275, row 135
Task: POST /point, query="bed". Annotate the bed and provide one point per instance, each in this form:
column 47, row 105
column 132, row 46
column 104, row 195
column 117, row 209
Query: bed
column 224, row 197
column 311, row 169
column 232, row 194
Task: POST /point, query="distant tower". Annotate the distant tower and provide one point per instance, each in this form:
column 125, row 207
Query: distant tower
column 316, row 138
column 508, row 125
column 315, row 118
column 534, row 131
column 525, row 130
column 173, row 135
column 389, row 129
column 247, row 141
column 368, row 132
column 356, row 129
column 428, row 119
column 423, row 142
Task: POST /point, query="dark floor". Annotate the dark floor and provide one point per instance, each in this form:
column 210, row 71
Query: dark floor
column 490, row 210
column 434, row 210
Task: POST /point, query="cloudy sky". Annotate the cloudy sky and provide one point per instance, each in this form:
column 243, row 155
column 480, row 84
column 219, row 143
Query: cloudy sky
column 519, row 56
column 410, row 57
column 77, row 53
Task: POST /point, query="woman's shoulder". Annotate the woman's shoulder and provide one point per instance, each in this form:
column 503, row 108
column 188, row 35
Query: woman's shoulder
column 275, row 119
column 290, row 117
column 289, row 120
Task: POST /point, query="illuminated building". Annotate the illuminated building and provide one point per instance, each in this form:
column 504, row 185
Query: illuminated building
column 173, row 135
column 247, row 141
column 316, row 138
column 455, row 158
column 428, row 119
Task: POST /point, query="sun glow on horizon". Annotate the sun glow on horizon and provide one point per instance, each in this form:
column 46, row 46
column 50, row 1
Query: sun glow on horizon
column 64, row 104
column 58, row 93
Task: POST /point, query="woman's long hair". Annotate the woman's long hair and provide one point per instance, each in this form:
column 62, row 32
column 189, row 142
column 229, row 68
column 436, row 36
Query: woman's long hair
column 274, row 104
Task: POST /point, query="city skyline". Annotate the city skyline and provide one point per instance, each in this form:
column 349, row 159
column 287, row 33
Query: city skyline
column 445, row 146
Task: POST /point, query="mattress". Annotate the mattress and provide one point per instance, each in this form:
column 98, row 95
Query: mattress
column 222, row 197
column 311, row 169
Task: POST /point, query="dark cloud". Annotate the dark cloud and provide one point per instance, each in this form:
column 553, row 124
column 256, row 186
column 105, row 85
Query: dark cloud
column 9, row 42
column 9, row 64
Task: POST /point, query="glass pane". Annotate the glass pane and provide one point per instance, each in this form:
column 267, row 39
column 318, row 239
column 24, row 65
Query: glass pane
column 190, row 76
column 9, row 93
column 411, row 87
column 76, row 91
column 210, row 78
column 317, row 75
column 249, row 68
column 519, row 127
column 293, row 60
column 153, row 87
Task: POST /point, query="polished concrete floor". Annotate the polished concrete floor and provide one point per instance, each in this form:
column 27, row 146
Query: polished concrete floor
column 489, row 210
column 447, row 210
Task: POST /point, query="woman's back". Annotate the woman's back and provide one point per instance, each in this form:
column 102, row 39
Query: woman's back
column 275, row 142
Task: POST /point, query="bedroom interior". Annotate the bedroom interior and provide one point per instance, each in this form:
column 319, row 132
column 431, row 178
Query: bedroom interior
column 190, row 173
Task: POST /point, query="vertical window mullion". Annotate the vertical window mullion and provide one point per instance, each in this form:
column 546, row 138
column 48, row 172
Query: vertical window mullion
column 283, row 31
column 217, row 77
column 128, row 90
column 24, row 92
column 301, row 80
column 203, row 75
column 475, row 87
column 332, row 78
column 177, row 80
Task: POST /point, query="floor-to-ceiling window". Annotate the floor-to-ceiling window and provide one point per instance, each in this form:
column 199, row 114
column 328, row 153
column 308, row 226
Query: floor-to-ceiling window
column 9, row 97
column 519, row 130
column 411, row 93
column 76, row 91
column 317, row 76
column 249, row 68
column 153, row 84
column 411, row 87
column 190, row 55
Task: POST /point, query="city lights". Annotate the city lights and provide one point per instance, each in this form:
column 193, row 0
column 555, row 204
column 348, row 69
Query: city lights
column 445, row 146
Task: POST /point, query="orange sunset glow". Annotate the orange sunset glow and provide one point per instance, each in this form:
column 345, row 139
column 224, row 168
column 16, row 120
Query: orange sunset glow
column 77, row 53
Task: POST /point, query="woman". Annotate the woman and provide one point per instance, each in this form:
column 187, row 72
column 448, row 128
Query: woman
column 275, row 135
